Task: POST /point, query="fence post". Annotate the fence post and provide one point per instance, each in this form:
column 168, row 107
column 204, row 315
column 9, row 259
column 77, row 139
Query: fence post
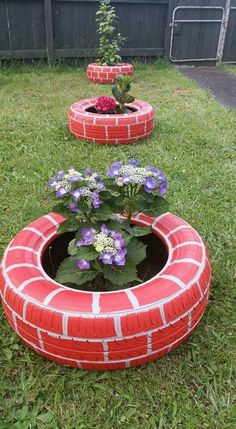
column 49, row 30
column 223, row 31
column 168, row 28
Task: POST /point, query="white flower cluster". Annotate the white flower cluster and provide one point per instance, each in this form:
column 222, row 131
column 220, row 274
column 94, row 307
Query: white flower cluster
column 137, row 175
column 68, row 179
column 63, row 184
column 72, row 173
column 91, row 181
column 85, row 192
column 103, row 243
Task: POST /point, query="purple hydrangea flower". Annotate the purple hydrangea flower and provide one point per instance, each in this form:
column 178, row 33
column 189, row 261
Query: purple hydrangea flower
column 125, row 179
column 154, row 169
column 61, row 192
column 60, row 175
column 82, row 264
column 96, row 202
column 114, row 169
column 119, row 242
column 73, row 207
column 87, row 235
column 150, row 184
column 162, row 187
column 75, row 178
column 119, row 258
column 161, row 176
column 133, row 162
column 52, row 182
column 101, row 186
column 97, row 177
column 76, row 194
column 105, row 230
column 88, row 171
column 106, row 258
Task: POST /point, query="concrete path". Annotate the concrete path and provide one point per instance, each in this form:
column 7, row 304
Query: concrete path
column 219, row 82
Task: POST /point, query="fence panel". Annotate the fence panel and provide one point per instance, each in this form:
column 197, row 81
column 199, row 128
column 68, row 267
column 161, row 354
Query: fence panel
column 67, row 28
column 229, row 53
column 22, row 29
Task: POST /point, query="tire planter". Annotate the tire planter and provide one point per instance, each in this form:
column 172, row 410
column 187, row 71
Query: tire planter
column 111, row 128
column 108, row 74
column 106, row 330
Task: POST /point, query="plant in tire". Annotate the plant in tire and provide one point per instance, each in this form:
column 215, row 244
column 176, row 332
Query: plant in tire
column 99, row 209
column 109, row 43
column 117, row 104
column 121, row 93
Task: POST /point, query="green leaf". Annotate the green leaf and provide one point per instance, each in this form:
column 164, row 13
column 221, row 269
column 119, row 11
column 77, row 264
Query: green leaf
column 61, row 209
column 136, row 251
column 70, row 224
column 87, row 252
column 129, row 98
column 149, row 197
column 68, row 273
column 158, row 206
column 103, row 213
column 105, row 195
column 45, row 417
column 21, row 414
column 72, row 249
column 109, row 181
column 126, row 80
column 7, row 354
column 137, row 231
column 117, row 204
column 6, row 425
column 117, row 93
column 120, row 276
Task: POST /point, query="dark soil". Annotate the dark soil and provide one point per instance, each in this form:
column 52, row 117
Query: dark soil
column 128, row 110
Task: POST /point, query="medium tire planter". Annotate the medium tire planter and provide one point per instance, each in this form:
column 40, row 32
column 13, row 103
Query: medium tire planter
column 111, row 128
column 108, row 74
column 106, row 330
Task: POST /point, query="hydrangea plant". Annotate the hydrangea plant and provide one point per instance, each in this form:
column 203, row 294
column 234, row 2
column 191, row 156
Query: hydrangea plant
column 105, row 104
column 117, row 104
column 99, row 210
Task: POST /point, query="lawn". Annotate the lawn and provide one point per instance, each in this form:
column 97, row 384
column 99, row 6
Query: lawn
column 193, row 143
column 231, row 68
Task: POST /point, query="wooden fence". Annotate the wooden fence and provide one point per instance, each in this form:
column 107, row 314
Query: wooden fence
column 182, row 30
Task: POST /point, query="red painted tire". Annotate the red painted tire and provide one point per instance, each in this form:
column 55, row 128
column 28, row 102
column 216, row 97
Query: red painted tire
column 110, row 330
column 111, row 129
column 108, row 74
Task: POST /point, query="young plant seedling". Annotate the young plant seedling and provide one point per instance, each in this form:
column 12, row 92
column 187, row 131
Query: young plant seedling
column 121, row 92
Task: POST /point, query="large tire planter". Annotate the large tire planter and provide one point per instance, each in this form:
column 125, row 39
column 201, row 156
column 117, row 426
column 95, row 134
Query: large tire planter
column 108, row 74
column 111, row 128
column 107, row 330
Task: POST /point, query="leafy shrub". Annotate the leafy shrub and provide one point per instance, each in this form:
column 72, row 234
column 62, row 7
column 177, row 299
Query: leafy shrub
column 109, row 43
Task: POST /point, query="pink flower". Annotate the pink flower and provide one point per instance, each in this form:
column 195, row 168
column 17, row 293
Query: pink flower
column 105, row 104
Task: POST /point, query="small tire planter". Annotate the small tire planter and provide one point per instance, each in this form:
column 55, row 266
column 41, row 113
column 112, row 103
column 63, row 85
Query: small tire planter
column 108, row 74
column 111, row 128
column 106, row 330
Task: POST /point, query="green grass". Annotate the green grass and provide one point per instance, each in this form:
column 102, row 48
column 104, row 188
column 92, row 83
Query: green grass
column 193, row 143
column 231, row 68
